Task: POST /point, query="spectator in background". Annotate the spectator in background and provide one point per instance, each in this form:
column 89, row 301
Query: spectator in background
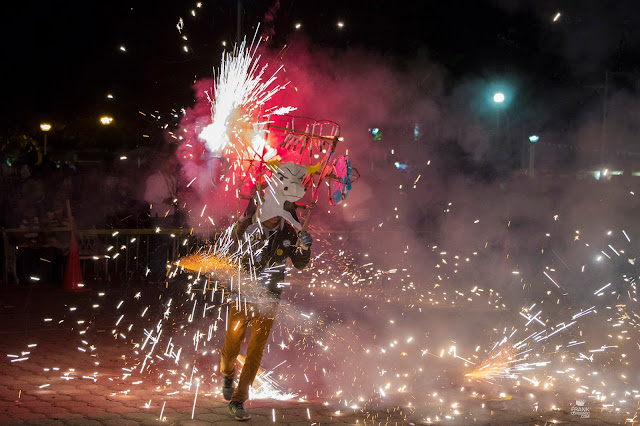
column 40, row 254
column 161, row 192
column 33, row 192
column 88, row 195
column 50, row 182
column 128, row 212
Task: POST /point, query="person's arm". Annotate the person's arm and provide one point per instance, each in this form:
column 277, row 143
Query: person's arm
column 301, row 254
column 250, row 239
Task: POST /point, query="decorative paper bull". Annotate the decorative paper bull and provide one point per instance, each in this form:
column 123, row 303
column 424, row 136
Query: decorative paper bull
column 284, row 186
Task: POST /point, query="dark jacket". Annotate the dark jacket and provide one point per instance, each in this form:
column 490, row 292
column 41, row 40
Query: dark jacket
column 269, row 260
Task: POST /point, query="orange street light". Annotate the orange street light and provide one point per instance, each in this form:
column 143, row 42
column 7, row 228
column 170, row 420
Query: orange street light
column 106, row 120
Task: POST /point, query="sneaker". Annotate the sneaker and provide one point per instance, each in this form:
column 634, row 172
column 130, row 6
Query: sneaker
column 237, row 410
column 227, row 388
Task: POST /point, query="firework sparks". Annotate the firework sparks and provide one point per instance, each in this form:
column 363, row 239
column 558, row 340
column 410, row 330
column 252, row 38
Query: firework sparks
column 240, row 91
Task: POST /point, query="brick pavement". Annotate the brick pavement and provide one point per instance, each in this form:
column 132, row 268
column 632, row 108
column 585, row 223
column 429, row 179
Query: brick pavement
column 60, row 385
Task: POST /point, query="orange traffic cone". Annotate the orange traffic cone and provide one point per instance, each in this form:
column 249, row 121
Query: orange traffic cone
column 72, row 272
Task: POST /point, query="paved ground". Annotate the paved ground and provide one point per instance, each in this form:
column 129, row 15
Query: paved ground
column 55, row 383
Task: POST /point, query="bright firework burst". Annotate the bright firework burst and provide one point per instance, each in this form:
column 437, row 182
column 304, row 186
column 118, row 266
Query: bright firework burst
column 240, row 93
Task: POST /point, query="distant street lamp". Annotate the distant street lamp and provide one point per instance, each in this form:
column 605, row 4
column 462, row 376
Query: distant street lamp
column 532, row 154
column 106, row 120
column 498, row 97
column 45, row 127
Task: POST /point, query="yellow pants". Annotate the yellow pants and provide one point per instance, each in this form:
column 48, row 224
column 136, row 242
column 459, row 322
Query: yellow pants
column 261, row 319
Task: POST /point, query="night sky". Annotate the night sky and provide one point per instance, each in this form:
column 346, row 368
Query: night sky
column 63, row 58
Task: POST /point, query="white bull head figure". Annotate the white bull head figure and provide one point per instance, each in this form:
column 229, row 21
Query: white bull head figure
column 285, row 185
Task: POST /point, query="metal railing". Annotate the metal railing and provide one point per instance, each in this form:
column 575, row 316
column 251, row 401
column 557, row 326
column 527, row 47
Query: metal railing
column 128, row 254
column 107, row 254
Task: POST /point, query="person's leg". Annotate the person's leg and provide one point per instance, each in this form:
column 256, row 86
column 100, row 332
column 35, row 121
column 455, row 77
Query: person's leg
column 260, row 329
column 158, row 258
column 236, row 329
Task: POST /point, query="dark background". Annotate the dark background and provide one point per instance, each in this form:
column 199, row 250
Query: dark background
column 62, row 58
